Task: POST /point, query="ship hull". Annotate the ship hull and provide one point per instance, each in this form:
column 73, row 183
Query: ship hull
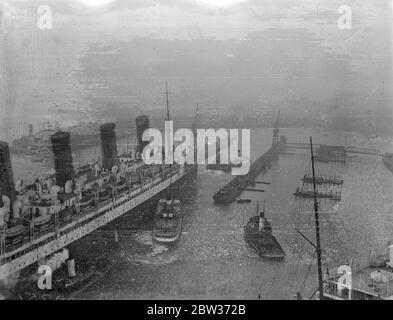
column 268, row 248
column 168, row 239
column 263, row 241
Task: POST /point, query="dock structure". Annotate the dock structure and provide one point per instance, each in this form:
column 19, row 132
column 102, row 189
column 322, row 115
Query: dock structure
column 231, row 191
column 236, row 186
column 335, row 180
column 309, row 194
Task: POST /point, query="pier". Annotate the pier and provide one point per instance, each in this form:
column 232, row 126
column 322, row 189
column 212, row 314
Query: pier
column 236, row 186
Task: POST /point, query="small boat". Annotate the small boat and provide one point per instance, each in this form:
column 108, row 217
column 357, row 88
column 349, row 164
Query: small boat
column 16, row 234
column 87, row 201
column 104, row 195
column 15, row 231
column 258, row 234
column 243, row 200
column 67, row 214
column 168, row 221
column 42, row 220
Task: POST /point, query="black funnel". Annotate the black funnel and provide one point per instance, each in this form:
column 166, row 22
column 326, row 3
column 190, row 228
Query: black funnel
column 142, row 124
column 108, row 145
column 61, row 147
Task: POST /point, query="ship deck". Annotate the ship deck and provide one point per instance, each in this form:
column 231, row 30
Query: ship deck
column 364, row 288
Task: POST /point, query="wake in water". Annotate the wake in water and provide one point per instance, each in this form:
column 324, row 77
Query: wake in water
column 151, row 253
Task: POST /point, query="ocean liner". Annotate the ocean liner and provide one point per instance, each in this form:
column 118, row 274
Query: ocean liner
column 39, row 220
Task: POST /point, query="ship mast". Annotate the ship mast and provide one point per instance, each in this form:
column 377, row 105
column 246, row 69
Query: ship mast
column 194, row 131
column 167, row 93
column 194, row 124
column 318, row 244
column 167, row 100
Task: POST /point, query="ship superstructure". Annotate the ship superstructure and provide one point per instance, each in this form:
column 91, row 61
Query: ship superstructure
column 39, row 219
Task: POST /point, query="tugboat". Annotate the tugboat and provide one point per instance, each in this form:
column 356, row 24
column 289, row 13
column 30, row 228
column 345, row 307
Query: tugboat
column 168, row 221
column 258, row 234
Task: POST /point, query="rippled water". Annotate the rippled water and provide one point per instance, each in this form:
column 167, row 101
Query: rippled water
column 211, row 260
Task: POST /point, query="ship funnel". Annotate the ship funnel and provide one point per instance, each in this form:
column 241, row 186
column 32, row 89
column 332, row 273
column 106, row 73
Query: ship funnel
column 108, row 145
column 61, row 147
column 7, row 186
column 142, row 124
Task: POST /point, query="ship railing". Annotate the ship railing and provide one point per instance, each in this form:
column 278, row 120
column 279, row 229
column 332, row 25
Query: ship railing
column 38, row 239
column 331, row 288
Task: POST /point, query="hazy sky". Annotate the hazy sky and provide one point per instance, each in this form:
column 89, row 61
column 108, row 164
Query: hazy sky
column 39, row 66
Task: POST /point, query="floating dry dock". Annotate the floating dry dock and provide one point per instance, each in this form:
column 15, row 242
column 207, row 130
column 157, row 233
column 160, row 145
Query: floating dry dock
column 234, row 188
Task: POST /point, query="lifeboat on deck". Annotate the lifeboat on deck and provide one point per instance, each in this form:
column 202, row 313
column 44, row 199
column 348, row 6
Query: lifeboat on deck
column 121, row 185
column 86, row 202
column 15, row 234
column 104, row 195
column 42, row 222
column 67, row 213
